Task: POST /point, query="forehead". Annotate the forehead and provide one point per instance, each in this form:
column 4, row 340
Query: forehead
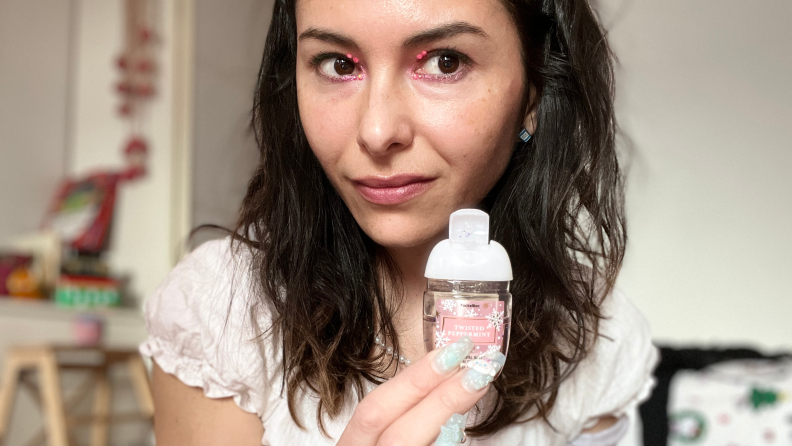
column 385, row 21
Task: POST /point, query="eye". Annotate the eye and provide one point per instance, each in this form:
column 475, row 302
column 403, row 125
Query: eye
column 448, row 64
column 337, row 66
column 442, row 64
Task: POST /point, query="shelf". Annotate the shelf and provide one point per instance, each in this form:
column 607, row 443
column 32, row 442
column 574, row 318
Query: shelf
column 46, row 309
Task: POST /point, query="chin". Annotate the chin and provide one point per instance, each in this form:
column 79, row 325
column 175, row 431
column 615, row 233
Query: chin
column 401, row 231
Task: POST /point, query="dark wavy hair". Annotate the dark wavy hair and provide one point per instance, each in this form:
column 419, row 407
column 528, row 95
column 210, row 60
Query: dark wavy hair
column 557, row 209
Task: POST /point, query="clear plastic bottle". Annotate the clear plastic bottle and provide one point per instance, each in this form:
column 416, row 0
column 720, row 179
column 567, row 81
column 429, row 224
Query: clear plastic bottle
column 468, row 288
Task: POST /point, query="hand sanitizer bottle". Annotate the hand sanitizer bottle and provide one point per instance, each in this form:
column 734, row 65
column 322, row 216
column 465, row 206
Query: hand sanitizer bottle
column 468, row 289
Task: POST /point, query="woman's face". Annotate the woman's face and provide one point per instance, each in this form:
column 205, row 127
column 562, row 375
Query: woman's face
column 405, row 140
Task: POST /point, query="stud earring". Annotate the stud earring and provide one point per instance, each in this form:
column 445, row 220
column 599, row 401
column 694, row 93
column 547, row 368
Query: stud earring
column 524, row 135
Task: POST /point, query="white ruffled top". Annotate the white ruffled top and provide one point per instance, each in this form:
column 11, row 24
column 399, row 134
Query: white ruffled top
column 206, row 328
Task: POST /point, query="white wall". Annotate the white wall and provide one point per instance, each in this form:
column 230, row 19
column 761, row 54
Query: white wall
column 141, row 243
column 34, row 76
column 705, row 93
column 229, row 43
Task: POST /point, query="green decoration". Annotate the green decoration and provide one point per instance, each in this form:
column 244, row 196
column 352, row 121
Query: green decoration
column 764, row 398
column 87, row 292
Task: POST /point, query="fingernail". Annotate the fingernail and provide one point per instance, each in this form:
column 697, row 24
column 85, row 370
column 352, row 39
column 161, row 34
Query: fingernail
column 481, row 371
column 451, row 432
column 452, row 355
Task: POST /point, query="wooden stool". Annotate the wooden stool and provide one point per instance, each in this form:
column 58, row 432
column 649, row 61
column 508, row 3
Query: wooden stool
column 21, row 362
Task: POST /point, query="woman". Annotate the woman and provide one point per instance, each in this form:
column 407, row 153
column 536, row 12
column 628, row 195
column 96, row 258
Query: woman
column 376, row 120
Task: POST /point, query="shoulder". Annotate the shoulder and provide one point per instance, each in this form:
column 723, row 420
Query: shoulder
column 616, row 376
column 193, row 282
column 205, row 324
column 207, row 290
column 624, row 344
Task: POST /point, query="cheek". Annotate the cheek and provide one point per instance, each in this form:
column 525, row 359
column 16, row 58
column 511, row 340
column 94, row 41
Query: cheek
column 328, row 122
column 474, row 136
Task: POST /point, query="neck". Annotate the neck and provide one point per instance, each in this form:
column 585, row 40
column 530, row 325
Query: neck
column 408, row 318
column 412, row 264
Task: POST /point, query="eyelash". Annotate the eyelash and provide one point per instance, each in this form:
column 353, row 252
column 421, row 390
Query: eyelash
column 464, row 65
column 464, row 61
column 321, row 57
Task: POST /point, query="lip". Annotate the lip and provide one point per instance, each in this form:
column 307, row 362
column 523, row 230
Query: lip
column 392, row 190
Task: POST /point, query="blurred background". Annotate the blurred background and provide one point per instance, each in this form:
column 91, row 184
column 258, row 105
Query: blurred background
column 124, row 124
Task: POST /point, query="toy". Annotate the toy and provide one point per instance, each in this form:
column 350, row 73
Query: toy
column 484, row 365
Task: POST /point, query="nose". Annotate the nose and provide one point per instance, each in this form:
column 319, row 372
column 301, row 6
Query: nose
column 385, row 126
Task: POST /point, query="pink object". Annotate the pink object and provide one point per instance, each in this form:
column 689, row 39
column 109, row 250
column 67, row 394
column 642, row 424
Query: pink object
column 392, row 190
column 349, row 56
column 482, row 321
column 420, row 56
column 392, row 195
column 355, row 59
column 87, row 330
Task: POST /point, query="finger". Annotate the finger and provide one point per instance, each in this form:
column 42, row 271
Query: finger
column 452, row 432
column 421, row 424
column 385, row 404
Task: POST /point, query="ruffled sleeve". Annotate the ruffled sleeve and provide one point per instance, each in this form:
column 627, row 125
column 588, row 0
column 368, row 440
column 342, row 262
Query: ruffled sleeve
column 616, row 376
column 207, row 328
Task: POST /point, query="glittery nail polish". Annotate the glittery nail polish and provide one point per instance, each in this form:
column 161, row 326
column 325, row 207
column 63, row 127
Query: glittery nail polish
column 482, row 370
column 451, row 432
column 452, row 355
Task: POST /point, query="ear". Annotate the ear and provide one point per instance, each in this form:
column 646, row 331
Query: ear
column 530, row 121
column 530, row 113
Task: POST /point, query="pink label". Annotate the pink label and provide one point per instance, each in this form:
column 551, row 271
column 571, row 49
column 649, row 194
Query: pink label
column 479, row 330
column 481, row 320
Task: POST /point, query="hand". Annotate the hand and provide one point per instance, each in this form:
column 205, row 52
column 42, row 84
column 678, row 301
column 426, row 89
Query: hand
column 410, row 408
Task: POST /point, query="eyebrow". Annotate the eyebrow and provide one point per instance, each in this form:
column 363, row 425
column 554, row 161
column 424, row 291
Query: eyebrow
column 422, row 38
column 444, row 32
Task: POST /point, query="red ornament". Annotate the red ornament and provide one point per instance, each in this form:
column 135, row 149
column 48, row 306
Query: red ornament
column 136, row 145
column 145, row 66
column 124, row 87
column 144, row 34
column 136, row 153
column 125, row 110
column 144, row 90
column 121, row 62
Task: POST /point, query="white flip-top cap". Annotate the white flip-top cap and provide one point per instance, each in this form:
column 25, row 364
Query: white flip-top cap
column 468, row 254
